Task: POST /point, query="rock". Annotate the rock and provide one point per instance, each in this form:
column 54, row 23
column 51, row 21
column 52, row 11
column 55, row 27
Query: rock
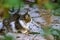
column 55, row 19
column 30, row 37
column 56, row 26
column 1, row 25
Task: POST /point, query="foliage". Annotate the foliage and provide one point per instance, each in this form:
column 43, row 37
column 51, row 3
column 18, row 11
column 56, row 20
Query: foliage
column 56, row 12
column 11, row 3
column 7, row 37
column 6, row 15
column 7, row 4
column 4, row 12
column 56, row 33
column 50, row 5
column 51, row 31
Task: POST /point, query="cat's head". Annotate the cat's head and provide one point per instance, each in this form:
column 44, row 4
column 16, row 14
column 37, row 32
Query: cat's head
column 26, row 17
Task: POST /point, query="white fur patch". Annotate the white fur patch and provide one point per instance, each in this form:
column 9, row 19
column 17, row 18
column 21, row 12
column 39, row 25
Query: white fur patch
column 13, row 26
column 25, row 25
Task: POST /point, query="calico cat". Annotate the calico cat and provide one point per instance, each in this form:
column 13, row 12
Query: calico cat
column 6, row 24
column 7, row 21
column 3, row 15
column 21, row 23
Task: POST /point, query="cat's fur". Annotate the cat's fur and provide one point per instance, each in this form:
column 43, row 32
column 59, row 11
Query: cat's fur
column 6, row 24
column 21, row 28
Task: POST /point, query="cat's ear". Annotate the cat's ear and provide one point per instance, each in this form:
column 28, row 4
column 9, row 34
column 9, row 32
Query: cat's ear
column 25, row 14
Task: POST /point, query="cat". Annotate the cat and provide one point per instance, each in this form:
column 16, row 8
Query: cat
column 21, row 23
column 9, row 23
column 25, row 22
column 16, row 25
column 6, row 24
column 3, row 13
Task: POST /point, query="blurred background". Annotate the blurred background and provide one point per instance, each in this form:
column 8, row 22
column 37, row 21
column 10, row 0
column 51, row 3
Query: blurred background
column 44, row 15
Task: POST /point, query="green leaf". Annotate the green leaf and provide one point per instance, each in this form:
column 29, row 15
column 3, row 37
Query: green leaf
column 8, row 37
